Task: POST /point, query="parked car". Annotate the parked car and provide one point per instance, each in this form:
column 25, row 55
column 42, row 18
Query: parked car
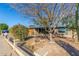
column 5, row 33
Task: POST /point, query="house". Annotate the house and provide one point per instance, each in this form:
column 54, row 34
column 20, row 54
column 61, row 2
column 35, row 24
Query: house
column 41, row 30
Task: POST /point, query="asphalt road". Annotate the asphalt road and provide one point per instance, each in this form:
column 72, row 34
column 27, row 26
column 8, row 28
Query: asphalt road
column 71, row 50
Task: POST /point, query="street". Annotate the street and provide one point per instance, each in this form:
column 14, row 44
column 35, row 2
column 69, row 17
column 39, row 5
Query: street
column 69, row 48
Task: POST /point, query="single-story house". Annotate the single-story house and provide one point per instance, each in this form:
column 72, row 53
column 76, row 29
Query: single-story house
column 41, row 30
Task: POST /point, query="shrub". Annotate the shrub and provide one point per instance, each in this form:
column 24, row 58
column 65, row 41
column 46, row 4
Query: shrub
column 19, row 32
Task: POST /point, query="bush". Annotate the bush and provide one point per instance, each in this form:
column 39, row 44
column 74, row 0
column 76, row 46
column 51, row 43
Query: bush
column 19, row 32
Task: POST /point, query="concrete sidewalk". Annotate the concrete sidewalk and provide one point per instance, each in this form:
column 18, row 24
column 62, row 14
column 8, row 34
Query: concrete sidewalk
column 5, row 49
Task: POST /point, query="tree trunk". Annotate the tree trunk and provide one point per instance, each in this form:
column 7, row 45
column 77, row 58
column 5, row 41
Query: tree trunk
column 50, row 37
column 51, row 40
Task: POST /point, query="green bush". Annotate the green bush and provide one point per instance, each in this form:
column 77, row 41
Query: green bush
column 19, row 32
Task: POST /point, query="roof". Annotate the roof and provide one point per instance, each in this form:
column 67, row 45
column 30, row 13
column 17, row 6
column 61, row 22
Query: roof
column 44, row 27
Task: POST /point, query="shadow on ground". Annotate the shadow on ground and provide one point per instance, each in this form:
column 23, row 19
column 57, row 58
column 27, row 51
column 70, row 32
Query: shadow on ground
column 41, row 37
column 29, row 37
column 11, row 39
column 71, row 50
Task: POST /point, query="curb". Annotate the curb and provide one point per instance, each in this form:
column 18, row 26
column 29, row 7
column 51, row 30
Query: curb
column 18, row 50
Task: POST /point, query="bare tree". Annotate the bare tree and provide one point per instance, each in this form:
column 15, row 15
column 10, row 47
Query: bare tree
column 45, row 15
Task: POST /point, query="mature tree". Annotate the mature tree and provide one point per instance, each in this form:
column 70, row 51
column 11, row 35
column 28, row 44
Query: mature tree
column 45, row 15
column 3, row 26
column 19, row 32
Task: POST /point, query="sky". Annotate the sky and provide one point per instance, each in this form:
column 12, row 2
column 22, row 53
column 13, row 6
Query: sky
column 11, row 17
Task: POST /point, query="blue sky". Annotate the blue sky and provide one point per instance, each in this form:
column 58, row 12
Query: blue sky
column 11, row 17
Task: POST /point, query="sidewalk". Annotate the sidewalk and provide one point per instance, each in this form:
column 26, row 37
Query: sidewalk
column 5, row 49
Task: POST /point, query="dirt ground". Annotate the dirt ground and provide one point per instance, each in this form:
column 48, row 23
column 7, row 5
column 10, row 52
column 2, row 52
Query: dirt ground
column 43, row 47
column 57, row 47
